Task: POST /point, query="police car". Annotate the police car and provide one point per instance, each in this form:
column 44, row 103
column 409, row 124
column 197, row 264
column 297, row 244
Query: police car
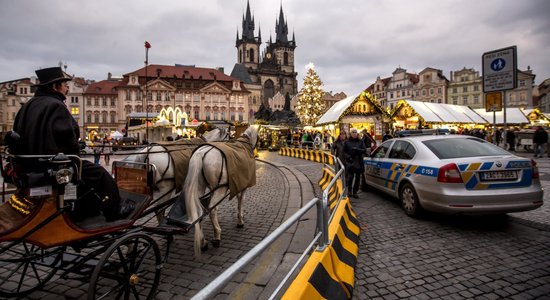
column 453, row 174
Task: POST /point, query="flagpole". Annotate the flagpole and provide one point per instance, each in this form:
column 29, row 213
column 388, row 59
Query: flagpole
column 145, row 105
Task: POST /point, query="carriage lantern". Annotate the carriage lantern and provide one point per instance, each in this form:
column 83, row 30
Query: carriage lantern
column 63, row 173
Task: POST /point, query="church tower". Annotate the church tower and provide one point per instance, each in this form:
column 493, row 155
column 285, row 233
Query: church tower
column 248, row 46
column 269, row 71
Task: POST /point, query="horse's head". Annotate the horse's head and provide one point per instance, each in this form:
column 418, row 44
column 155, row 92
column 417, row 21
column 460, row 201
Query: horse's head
column 216, row 135
column 252, row 134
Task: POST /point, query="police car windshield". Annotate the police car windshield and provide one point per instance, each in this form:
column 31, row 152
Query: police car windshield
column 457, row 148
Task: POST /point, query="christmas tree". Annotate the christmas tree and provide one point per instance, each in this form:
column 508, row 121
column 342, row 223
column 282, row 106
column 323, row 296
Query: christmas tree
column 310, row 106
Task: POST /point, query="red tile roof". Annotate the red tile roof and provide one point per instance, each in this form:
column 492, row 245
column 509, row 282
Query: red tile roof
column 180, row 71
column 104, row 87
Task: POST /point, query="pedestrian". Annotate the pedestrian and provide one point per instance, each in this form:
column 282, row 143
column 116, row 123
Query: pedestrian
column 540, row 137
column 46, row 127
column 368, row 140
column 338, row 146
column 354, row 149
column 511, row 139
column 499, row 136
column 387, row 136
column 107, row 151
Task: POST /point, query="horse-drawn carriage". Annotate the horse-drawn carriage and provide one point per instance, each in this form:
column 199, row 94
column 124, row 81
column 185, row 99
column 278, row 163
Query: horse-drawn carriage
column 119, row 259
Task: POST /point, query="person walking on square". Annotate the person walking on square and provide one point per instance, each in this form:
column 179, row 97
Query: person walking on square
column 337, row 148
column 46, row 127
column 511, row 139
column 540, row 138
column 354, row 149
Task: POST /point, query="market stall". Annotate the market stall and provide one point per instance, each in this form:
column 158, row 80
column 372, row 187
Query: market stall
column 361, row 111
column 409, row 114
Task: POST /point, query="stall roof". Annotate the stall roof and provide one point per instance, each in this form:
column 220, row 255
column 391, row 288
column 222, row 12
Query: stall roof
column 445, row 113
column 513, row 116
column 333, row 114
column 424, row 111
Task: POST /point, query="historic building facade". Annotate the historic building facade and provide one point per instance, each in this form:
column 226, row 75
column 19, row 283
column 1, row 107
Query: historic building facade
column 431, row 86
column 99, row 106
column 466, row 88
column 265, row 72
column 13, row 94
column 203, row 93
column 400, row 87
column 522, row 95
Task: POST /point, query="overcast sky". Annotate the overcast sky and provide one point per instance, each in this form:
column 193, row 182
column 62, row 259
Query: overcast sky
column 351, row 42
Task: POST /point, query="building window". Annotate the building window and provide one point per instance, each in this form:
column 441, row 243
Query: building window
column 464, row 89
column 431, row 91
column 455, row 100
column 454, row 90
column 391, row 95
column 476, row 88
column 96, row 118
column 196, row 114
column 113, row 102
column 113, row 118
column 465, row 100
column 96, row 101
column 423, row 92
column 127, row 94
column 476, row 99
column 241, row 118
column 522, row 82
column 417, row 93
column 439, row 90
column 232, row 116
column 74, row 111
column 104, row 101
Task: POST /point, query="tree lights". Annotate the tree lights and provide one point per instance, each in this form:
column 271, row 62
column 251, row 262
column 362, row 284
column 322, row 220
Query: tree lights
column 310, row 106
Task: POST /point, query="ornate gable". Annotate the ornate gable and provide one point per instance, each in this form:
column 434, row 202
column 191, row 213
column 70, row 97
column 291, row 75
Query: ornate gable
column 215, row 87
column 365, row 105
column 160, row 85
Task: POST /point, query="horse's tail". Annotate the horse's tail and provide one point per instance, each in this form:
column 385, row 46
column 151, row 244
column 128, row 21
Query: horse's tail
column 192, row 202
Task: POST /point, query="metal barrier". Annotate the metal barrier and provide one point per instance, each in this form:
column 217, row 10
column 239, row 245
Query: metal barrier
column 323, row 219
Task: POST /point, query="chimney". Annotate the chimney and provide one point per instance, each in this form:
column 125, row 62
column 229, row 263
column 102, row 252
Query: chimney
column 221, row 69
column 451, row 76
column 109, row 75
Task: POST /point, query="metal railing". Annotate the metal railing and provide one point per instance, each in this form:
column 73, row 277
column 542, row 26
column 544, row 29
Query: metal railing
column 323, row 219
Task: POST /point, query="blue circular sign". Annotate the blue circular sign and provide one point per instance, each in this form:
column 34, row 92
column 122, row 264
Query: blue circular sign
column 498, row 64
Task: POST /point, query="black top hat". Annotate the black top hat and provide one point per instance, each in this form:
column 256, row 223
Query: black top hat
column 51, row 75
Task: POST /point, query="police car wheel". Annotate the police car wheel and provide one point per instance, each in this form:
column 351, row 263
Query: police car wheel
column 409, row 200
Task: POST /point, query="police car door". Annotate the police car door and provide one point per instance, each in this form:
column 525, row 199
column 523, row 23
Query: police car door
column 397, row 165
column 374, row 174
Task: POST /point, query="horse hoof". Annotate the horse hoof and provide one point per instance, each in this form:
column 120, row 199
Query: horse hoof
column 204, row 247
column 240, row 225
column 216, row 243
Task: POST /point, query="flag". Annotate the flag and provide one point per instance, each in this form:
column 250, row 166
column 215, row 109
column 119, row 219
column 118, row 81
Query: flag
column 147, row 45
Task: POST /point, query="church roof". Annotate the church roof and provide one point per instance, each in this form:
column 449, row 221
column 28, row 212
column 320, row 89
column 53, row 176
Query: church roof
column 240, row 72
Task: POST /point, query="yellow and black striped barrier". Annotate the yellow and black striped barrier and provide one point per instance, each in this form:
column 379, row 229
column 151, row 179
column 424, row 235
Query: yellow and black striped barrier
column 335, row 191
column 313, row 155
column 330, row 274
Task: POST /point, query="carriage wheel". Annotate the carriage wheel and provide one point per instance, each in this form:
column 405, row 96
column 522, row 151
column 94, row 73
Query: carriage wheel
column 25, row 267
column 129, row 269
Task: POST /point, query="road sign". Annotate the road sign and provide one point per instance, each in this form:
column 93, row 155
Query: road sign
column 493, row 101
column 500, row 70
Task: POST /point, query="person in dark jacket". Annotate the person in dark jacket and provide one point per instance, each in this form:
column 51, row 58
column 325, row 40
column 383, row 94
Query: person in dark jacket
column 337, row 148
column 46, row 127
column 354, row 149
column 540, row 137
column 511, row 139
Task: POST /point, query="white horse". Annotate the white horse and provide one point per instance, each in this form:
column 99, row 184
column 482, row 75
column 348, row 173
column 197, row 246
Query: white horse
column 164, row 187
column 208, row 169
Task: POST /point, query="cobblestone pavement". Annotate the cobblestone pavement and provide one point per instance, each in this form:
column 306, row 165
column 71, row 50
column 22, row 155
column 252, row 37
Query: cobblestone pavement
column 436, row 257
column 184, row 275
column 445, row 257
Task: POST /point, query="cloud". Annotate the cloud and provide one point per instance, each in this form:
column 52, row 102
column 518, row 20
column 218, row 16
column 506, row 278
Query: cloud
column 351, row 42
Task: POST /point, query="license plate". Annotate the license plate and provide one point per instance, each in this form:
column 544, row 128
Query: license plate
column 499, row 175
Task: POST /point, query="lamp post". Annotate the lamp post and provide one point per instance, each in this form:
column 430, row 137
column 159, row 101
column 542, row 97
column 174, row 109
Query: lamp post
column 145, row 104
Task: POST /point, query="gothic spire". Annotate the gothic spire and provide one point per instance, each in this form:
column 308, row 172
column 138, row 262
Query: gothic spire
column 281, row 28
column 248, row 24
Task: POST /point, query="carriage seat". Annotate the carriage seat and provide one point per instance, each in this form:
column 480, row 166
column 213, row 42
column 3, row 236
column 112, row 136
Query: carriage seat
column 28, row 171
